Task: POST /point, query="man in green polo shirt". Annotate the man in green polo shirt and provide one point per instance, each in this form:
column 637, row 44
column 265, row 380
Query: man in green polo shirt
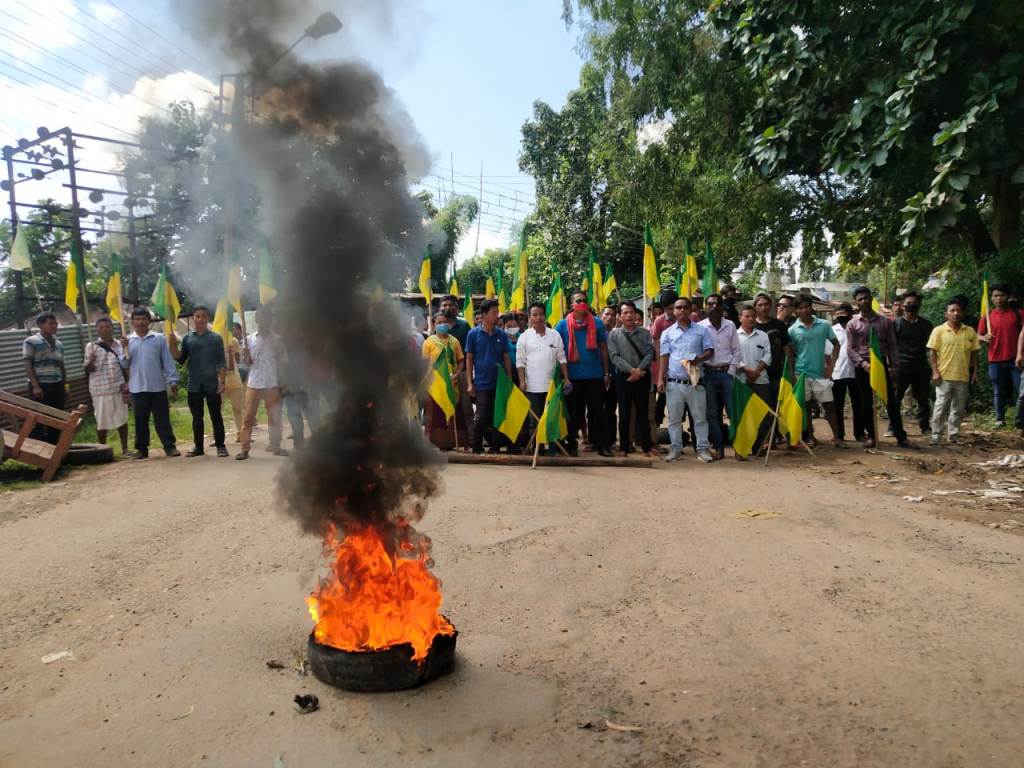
column 203, row 352
column 810, row 335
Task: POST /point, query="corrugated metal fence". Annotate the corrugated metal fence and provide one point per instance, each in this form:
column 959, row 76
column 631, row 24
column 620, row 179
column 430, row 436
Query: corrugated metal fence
column 74, row 339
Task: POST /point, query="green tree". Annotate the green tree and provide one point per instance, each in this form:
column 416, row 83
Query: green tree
column 448, row 225
column 915, row 107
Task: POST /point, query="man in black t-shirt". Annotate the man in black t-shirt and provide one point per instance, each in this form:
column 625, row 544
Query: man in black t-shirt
column 778, row 337
column 914, row 371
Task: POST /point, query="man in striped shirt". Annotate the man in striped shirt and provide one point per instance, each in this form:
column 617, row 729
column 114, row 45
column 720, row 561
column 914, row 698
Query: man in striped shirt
column 43, row 355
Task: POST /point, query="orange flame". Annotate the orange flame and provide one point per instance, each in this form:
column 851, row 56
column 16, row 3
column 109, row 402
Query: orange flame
column 373, row 601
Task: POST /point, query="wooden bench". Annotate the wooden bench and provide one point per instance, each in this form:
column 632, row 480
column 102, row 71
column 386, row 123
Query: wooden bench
column 18, row 445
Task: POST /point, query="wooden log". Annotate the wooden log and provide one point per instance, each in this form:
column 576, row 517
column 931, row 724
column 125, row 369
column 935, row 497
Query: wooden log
column 504, row 459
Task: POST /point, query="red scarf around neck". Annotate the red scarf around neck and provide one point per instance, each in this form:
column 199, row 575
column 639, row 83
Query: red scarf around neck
column 575, row 325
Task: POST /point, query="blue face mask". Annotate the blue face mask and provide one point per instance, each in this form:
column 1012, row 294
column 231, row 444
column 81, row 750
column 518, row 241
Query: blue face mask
column 443, row 328
column 512, row 332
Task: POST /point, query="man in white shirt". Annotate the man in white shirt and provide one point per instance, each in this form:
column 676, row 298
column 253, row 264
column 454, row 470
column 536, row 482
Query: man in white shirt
column 263, row 353
column 843, row 380
column 754, row 360
column 537, row 352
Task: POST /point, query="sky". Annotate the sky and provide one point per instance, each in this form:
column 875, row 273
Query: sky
column 467, row 71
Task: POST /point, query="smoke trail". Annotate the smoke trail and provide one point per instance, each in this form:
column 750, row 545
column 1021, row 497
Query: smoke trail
column 329, row 162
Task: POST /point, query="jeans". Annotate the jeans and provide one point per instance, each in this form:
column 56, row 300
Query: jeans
column 587, row 397
column 156, row 403
column 297, row 404
column 633, row 398
column 679, row 398
column 950, row 407
column 918, row 380
column 840, row 389
column 482, row 422
column 206, row 394
column 53, row 396
column 719, row 396
column 1005, row 380
column 865, row 403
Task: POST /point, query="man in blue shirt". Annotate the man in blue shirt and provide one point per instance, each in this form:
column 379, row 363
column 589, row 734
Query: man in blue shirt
column 683, row 348
column 151, row 372
column 486, row 349
column 586, row 350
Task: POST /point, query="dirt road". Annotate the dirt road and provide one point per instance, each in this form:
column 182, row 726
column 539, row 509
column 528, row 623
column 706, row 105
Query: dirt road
column 851, row 630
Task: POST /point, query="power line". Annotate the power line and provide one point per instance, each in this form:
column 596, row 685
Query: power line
column 145, row 26
column 85, row 72
column 44, row 100
column 152, row 54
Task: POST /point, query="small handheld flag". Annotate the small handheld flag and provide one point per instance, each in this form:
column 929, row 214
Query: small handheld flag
column 511, row 406
column 877, row 375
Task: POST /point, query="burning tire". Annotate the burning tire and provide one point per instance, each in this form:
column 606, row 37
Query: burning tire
column 391, row 669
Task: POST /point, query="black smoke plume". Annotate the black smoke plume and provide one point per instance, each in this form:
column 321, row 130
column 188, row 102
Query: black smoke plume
column 328, row 157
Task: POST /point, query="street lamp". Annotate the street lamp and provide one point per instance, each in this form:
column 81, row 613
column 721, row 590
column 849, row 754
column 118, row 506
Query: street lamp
column 616, row 225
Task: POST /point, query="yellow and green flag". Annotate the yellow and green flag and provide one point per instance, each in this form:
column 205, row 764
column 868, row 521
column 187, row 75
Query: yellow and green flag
column 234, row 289
column 652, row 281
column 688, row 280
column 165, row 301
column 553, row 425
column 610, row 283
column 792, row 406
column 268, row 285
column 425, row 280
column 593, row 282
column 877, row 375
column 511, row 406
column 221, row 322
column 489, row 291
column 453, row 286
column 19, row 260
column 556, row 302
column 75, row 276
column 503, row 297
column 441, row 389
column 519, row 274
column 709, row 284
column 748, row 411
column 984, row 301
column 467, row 304
column 114, row 300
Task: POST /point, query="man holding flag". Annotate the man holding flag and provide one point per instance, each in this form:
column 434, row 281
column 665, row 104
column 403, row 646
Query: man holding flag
column 586, row 342
column 539, row 353
column 871, row 346
column 1000, row 328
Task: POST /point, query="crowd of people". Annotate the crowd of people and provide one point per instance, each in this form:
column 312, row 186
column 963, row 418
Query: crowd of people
column 141, row 369
column 625, row 373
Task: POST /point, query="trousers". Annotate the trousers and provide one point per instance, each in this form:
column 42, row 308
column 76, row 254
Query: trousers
column 918, row 380
column 483, row 421
column 679, row 398
column 156, row 403
column 1005, row 378
column 950, row 407
column 587, row 400
column 271, row 398
column 299, row 404
column 719, row 396
column 55, row 397
column 840, row 389
column 632, row 399
column 865, row 402
column 207, row 394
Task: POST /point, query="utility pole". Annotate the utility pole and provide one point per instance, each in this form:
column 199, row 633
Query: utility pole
column 19, row 289
column 76, row 229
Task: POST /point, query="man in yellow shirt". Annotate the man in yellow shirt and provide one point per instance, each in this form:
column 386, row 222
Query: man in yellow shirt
column 953, row 353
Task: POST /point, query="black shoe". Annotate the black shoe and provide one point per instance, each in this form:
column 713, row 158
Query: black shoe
column 141, row 454
column 193, row 452
column 606, row 453
column 574, row 452
column 170, row 453
column 222, row 451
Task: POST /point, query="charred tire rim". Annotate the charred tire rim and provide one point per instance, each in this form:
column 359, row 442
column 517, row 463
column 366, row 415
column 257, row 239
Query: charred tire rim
column 391, row 669
column 80, row 454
